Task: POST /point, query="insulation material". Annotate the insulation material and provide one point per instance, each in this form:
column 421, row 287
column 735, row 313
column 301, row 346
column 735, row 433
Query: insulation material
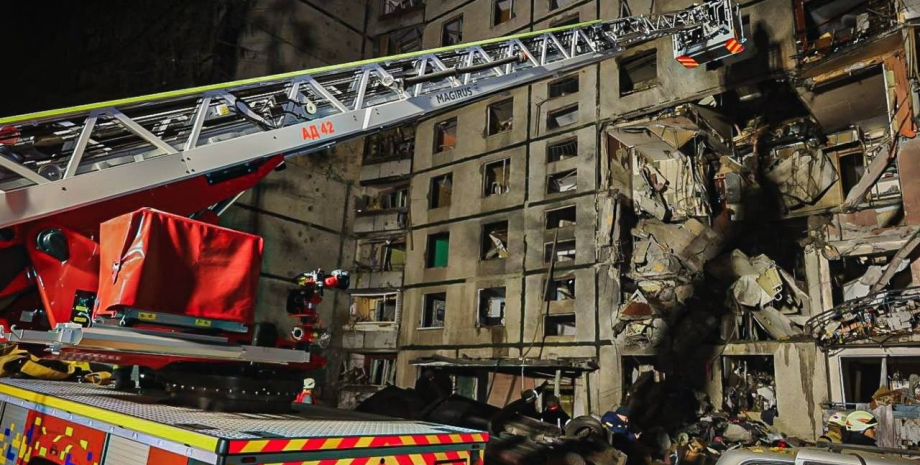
column 159, row 262
column 801, row 176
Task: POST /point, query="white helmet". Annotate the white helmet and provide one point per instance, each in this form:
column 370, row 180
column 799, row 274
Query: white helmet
column 308, row 383
column 860, row 421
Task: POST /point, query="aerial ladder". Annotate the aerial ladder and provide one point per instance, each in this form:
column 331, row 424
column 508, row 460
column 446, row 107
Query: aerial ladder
column 67, row 174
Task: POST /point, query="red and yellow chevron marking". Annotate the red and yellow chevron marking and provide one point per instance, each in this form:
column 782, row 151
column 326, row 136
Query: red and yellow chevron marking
column 687, row 61
column 446, row 458
column 734, row 46
column 265, row 446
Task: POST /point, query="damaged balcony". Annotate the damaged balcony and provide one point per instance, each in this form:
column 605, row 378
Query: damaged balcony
column 827, row 29
column 382, row 208
column 388, row 155
column 379, row 263
column 372, row 321
column 363, row 374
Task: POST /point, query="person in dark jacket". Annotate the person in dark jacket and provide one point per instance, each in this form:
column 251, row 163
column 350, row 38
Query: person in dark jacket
column 553, row 413
column 528, row 406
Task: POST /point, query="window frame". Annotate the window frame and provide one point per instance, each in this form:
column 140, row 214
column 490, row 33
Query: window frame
column 563, row 80
column 546, row 214
column 634, row 58
column 438, row 127
column 495, row 10
column 431, row 191
column 510, row 102
column 561, row 175
column 425, row 301
column 560, row 142
column 506, row 162
column 555, row 112
column 455, row 19
column 548, row 251
column 430, row 253
column 482, row 240
column 479, row 308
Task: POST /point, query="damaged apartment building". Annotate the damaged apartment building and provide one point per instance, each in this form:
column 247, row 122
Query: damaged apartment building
column 747, row 229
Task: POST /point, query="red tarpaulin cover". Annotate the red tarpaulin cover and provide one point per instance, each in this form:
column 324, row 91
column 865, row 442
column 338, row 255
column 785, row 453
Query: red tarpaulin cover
column 159, row 262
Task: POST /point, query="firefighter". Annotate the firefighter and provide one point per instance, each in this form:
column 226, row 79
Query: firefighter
column 836, row 429
column 861, row 425
column 553, row 413
column 306, row 396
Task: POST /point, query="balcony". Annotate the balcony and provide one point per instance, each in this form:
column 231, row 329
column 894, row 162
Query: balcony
column 388, row 154
column 382, row 208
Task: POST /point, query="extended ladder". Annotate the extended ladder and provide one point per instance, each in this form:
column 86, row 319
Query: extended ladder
column 59, row 160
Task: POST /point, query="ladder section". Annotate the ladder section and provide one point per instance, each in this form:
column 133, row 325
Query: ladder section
column 55, row 161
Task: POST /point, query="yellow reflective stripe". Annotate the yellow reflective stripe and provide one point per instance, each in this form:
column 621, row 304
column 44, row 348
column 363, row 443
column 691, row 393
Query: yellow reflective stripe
column 364, row 442
column 253, row 446
column 274, row 77
column 432, row 439
column 159, row 430
column 295, row 444
column 331, row 443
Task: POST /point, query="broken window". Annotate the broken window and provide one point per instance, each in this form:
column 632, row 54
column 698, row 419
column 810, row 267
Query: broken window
column 553, row 4
column 373, row 308
column 748, row 383
column 562, row 150
column 385, row 255
column 852, row 167
column 638, row 72
column 564, row 181
column 560, row 217
column 445, row 135
column 562, row 117
column 440, row 191
column 492, row 306
column 862, row 376
column 559, row 325
column 501, row 11
column 499, row 118
column 452, row 32
column 565, row 251
column 401, row 41
column 369, row 370
column 564, row 86
column 497, row 177
column 438, row 250
column 494, row 241
column 391, row 144
column 386, row 198
column 433, row 310
column 560, row 289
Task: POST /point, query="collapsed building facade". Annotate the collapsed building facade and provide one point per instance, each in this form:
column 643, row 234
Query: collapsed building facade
column 638, row 221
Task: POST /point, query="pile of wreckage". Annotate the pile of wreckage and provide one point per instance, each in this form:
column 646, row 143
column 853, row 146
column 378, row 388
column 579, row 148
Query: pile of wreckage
column 678, row 240
column 516, row 438
column 880, row 316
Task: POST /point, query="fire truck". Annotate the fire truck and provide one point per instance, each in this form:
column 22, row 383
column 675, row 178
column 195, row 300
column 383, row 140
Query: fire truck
column 111, row 253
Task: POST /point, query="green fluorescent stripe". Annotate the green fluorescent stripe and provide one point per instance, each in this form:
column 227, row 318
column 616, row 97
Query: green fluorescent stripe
column 276, row 77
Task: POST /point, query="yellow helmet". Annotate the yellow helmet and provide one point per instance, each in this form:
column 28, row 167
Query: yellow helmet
column 838, row 418
column 860, row 420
